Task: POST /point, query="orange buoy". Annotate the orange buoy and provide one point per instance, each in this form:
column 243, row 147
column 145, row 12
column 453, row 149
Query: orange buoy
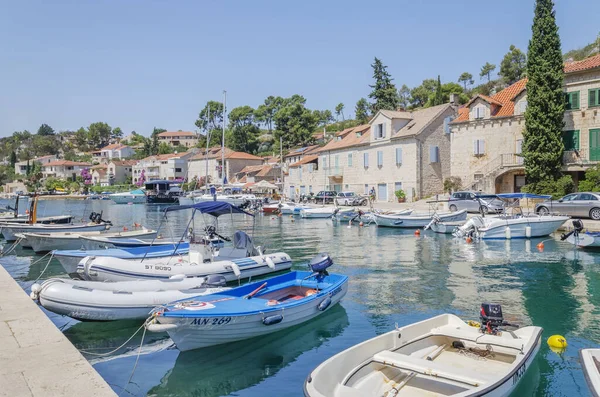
column 417, row 232
column 125, row 228
column 361, row 224
column 469, row 240
column 27, row 212
column 540, row 246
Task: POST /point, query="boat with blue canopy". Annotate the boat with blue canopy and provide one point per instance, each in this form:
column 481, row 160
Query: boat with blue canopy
column 252, row 310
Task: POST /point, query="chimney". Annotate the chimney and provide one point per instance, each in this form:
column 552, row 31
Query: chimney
column 454, row 99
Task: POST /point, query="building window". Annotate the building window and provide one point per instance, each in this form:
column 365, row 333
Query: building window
column 324, row 162
column 366, row 189
column 523, row 106
column 366, row 159
column 594, row 97
column 397, row 186
column 572, row 100
column 478, row 147
column 379, row 131
column 571, row 140
column 349, row 159
column 380, row 158
column 434, row 154
column 177, row 169
column 300, row 172
column 310, row 167
column 479, row 112
column 447, row 121
column 337, row 160
column 399, row 156
column 519, row 148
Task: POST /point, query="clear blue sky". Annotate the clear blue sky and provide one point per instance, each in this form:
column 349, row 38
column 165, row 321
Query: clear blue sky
column 136, row 64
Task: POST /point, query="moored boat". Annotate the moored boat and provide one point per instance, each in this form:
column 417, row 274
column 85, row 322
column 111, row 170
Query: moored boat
column 128, row 300
column 319, row 212
column 100, row 242
column 446, row 227
column 439, row 356
column 290, row 208
column 590, row 361
column 133, row 197
column 10, row 230
column 581, row 239
column 252, row 310
column 69, row 259
column 417, row 220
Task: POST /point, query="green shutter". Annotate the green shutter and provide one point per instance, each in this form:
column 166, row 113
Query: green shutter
column 575, row 101
column 576, row 140
column 571, row 140
column 593, row 99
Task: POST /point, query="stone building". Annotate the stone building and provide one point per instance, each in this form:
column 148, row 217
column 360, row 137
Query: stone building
column 211, row 162
column 487, row 136
column 179, row 138
column 396, row 150
column 170, row 167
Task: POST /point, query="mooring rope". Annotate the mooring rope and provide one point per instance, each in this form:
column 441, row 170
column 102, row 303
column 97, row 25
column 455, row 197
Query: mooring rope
column 136, row 362
column 12, row 247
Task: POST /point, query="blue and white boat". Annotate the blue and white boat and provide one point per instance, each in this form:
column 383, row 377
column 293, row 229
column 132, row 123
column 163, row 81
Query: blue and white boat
column 133, row 197
column 70, row 258
column 90, row 242
column 417, row 220
column 252, row 310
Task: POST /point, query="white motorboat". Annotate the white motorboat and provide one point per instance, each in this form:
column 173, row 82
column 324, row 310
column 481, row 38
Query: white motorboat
column 252, row 310
column 133, row 197
column 590, row 361
column 441, row 356
column 443, row 227
column 357, row 215
column 45, row 242
column 319, row 212
column 417, row 220
column 291, row 208
column 10, row 230
column 103, row 242
column 126, row 300
column 46, row 220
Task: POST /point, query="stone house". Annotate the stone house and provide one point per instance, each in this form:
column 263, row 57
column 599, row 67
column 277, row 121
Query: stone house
column 64, row 169
column 21, row 166
column 396, row 150
column 99, row 175
column 119, row 172
column 170, row 167
column 115, row 151
column 252, row 174
column 487, row 136
column 211, row 161
column 297, row 154
column 179, row 138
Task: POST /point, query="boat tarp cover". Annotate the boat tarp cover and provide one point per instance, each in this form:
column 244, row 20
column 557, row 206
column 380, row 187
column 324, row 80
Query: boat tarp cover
column 523, row 195
column 214, row 208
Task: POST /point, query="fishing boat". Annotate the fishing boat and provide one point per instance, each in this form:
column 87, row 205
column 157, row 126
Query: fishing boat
column 320, row 212
column 512, row 225
column 90, row 242
column 252, row 310
column 69, row 259
column 440, row 356
column 10, row 230
column 417, row 220
column 44, row 220
column 271, row 208
column 45, row 242
column 136, row 196
column 126, row 300
column 590, row 361
column 357, row 215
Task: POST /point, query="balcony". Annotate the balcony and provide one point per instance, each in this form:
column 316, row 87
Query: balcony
column 334, row 172
column 580, row 157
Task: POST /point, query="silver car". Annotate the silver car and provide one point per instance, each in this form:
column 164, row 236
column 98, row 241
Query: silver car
column 475, row 202
column 582, row 204
column 345, row 198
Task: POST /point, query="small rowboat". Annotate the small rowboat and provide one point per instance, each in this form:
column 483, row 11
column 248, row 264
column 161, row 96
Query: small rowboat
column 10, row 230
column 252, row 310
column 129, row 300
column 439, row 356
column 590, row 361
column 417, row 220
column 322, row 212
column 70, row 258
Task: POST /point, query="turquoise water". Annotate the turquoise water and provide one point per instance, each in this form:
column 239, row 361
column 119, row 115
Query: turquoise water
column 395, row 277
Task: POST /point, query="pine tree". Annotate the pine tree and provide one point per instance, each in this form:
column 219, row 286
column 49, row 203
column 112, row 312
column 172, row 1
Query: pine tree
column 384, row 92
column 438, row 99
column 542, row 145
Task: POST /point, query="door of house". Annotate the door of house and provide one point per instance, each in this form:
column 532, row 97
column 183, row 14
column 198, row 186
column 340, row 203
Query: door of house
column 292, row 193
column 519, row 182
column 382, row 192
column 595, row 144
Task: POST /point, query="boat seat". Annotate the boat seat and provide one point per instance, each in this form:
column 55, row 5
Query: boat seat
column 231, row 252
column 425, row 367
column 481, row 339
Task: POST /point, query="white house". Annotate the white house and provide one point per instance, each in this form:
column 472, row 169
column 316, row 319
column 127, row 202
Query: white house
column 179, row 138
column 211, row 161
column 21, row 166
column 115, row 151
column 172, row 166
column 64, row 169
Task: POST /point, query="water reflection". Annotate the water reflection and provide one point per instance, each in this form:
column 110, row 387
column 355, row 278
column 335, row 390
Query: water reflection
column 221, row 370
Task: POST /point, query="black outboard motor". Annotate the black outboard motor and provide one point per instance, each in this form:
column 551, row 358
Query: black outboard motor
column 319, row 264
column 577, row 228
column 215, row 280
column 491, row 318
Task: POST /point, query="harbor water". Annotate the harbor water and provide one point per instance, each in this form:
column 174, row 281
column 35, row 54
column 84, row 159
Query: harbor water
column 395, row 278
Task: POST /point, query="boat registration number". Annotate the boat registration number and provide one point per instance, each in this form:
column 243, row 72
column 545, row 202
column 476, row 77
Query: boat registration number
column 211, row 321
column 519, row 374
column 158, row 267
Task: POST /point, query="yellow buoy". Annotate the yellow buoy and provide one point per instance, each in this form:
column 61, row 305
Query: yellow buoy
column 557, row 342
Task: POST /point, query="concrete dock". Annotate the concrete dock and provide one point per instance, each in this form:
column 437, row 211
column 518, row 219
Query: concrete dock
column 36, row 359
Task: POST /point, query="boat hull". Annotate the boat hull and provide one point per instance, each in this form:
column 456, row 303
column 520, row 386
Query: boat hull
column 585, row 240
column 46, row 220
column 128, row 198
column 445, row 227
column 417, row 221
column 590, row 370
column 114, row 269
column 539, row 227
column 10, row 231
column 317, row 213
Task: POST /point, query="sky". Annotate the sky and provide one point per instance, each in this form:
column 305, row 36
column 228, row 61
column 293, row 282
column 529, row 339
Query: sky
column 139, row 64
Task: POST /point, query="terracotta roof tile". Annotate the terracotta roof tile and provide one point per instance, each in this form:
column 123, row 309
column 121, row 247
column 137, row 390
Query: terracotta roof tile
column 213, row 153
column 124, row 163
column 485, row 98
column 66, row 163
column 114, row 146
column 420, row 119
column 265, row 170
column 305, row 160
column 350, row 139
column 176, row 133
column 588, row 63
column 242, row 156
column 250, row 168
column 301, row 150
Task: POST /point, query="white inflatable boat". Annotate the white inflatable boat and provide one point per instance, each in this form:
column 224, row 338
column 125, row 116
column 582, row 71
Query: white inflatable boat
column 97, row 301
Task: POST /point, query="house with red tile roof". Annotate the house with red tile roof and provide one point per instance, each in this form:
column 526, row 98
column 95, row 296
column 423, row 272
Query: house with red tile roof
column 179, row 138
column 210, row 162
column 21, row 166
column 487, row 135
column 117, row 151
column 396, row 150
column 173, row 166
column 64, row 169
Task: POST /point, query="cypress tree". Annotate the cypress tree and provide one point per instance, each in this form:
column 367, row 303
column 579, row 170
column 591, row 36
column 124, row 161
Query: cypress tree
column 542, row 145
column 384, row 94
column 438, row 99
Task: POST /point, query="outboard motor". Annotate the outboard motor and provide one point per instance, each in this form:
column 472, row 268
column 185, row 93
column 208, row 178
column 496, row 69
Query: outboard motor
column 215, row 280
column 490, row 318
column 319, row 264
column 577, row 228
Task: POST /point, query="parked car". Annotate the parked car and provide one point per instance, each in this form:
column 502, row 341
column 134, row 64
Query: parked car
column 345, row 198
column 326, row 196
column 582, row 204
column 475, row 202
column 360, row 200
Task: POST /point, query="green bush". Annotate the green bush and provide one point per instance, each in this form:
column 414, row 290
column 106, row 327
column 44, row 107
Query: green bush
column 556, row 188
column 592, row 180
column 452, row 184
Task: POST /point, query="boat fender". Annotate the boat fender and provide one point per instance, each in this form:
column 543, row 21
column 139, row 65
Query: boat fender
column 324, row 304
column 270, row 262
column 271, row 320
column 236, row 269
column 160, row 327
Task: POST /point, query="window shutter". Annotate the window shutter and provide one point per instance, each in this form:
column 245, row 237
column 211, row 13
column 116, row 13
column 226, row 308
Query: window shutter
column 475, row 147
column 575, row 100
column 592, row 99
column 576, row 139
column 481, row 146
column 447, row 125
column 433, row 154
column 379, row 158
column 383, row 130
column 519, row 146
column 366, row 159
column 399, row 156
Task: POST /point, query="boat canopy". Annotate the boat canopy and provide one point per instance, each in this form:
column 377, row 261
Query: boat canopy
column 214, row 208
column 523, row 195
